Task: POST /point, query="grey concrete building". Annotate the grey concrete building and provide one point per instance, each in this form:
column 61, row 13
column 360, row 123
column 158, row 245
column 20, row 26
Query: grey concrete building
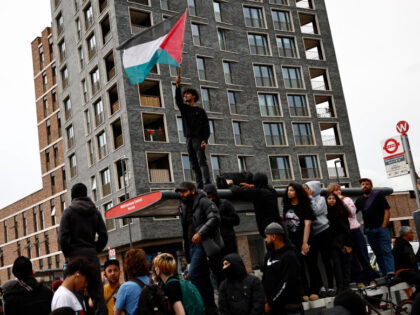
column 268, row 78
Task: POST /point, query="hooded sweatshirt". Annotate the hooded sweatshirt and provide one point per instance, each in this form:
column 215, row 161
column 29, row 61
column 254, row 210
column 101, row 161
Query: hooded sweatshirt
column 80, row 223
column 240, row 293
column 320, row 208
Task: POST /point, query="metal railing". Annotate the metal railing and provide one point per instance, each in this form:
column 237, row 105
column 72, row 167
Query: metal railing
column 324, row 113
column 329, row 140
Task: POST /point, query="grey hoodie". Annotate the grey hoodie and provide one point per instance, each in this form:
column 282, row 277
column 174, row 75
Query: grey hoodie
column 320, row 208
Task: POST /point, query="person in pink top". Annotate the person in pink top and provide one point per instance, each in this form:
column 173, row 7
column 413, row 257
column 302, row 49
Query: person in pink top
column 361, row 269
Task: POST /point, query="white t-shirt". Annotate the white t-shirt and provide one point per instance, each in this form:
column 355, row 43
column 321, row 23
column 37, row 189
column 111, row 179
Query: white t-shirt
column 63, row 297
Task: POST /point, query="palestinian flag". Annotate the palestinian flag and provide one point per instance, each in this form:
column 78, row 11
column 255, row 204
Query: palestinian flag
column 161, row 43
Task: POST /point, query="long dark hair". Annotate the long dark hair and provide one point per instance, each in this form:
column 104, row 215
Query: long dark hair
column 339, row 209
column 301, row 194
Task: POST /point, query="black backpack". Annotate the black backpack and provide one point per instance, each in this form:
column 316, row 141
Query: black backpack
column 152, row 300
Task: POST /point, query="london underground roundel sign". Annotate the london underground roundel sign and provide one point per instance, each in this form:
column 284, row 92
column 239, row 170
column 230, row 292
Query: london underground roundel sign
column 391, row 145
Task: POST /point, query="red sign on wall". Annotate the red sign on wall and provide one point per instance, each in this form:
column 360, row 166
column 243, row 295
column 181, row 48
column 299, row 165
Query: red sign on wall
column 133, row 205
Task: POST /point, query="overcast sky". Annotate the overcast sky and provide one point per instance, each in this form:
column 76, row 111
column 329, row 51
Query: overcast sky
column 378, row 52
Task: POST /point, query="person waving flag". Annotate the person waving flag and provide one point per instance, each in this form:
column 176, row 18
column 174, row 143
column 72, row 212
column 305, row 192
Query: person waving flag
column 159, row 44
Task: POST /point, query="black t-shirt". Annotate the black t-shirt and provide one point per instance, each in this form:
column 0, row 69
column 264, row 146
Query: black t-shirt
column 189, row 221
column 374, row 216
column 295, row 217
column 173, row 292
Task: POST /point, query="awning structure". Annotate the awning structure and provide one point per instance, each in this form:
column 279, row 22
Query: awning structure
column 166, row 203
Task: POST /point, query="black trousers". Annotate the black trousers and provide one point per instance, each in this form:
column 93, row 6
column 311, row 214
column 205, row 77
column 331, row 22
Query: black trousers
column 341, row 262
column 198, row 161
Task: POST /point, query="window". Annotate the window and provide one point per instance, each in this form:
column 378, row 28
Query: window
column 215, row 165
column 52, row 181
column 91, row 46
column 44, row 81
column 73, row 165
column 99, row 112
column 324, row 106
column 45, row 106
column 258, row 44
column 297, row 105
column 195, row 30
column 18, row 249
column 227, row 70
column 282, row 2
column 51, row 46
column 24, row 222
column 139, row 20
column 106, row 182
column 233, row 104
column 67, row 108
column 106, row 30
column 54, row 73
column 150, row 94
column 181, row 136
column 269, row 104
column 47, row 159
column 280, row 167
column 237, row 132
column 81, row 57
column 303, row 134
column 206, row 99
column 35, row 216
column 117, row 134
column 308, row 23
column 192, row 8
column 319, row 79
column 64, row 77
column 60, row 24
column 254, row 17
column 188, row 171
column 95, row 81
column 114, row 103
column 292, row 78
column 70, row 137
column 54, row 99
column 286, row 46
column 102, row 149
column 16, row 227
column 264, row 75
column 242, row 164
column 313, row 49
column 41, row 56
column 201, row 65
column 62, row 202
column 57, row 261
column 109, row 223
column 84, row 91
column 6, row 235
column 46, row 242
column 63, row 175
column 212, row 138
column 221, row 35
column 93, row 188
column 62, row 50
column 49, row 135
column 282, row 21
column 55, row 150
column 78, row 29
column 53, row 212
column 336, row 166
column 159, row 167
column 109, row 66
column 309, row 166
column 28, row 248
column 91, row 152
column 330, row 134
column 88, row 13
column 88, row 123
column 217, row 7
column 102, row 5
column 274, row 134
column 305, row 4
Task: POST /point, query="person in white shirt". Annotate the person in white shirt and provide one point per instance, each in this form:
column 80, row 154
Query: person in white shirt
column 78, row 274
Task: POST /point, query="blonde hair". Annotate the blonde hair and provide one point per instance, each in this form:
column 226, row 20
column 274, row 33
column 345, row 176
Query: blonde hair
column 333, row 187
column 166, row 264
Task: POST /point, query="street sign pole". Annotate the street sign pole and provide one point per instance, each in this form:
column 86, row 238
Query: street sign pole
column 411, row 167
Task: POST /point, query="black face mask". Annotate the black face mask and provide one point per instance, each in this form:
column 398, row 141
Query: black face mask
column 269, row 246
column 188, row 199
column 229, row 272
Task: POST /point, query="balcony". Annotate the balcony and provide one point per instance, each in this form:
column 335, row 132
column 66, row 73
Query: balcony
column 159, row 176
column 329, row 134
column 304, row 4
column 324, row 106
column 324, row 113
column 332, row 172
column 329, row 140
column 150, row 101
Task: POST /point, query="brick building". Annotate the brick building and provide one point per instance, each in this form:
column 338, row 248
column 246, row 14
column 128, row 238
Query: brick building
column 402, row 204
column 29, row 226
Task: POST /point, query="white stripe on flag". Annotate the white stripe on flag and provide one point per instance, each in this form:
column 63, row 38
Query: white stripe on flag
column 141, row 54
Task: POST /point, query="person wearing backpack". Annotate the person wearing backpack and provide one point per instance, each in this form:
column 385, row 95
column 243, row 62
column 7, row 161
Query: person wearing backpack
column 137, row 267
column 183, row 296
column 27, row 293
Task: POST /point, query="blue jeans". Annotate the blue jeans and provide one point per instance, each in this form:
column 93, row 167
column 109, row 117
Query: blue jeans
column 380, row 241
column 360, row 264
column 199, row 274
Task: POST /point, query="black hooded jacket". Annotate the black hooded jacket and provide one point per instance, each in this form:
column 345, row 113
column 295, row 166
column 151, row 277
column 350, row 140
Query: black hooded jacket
column 33, row 298
column 282, row 278
column 263, row 197
column 80, row 223
column 404, row 255
column 228, row 216
column 240, row 293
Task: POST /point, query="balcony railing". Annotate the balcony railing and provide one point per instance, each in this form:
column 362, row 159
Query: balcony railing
column 154, row 135
column 329, row 140
column 293, row 83
column 308, row 29
column 304, row 139
column 324, row 113
column 137, row 28
column 313, row 55
column 150, row 101
column 310, row 173
column 281, row 174
column 332, row 172
column 159, row 175
column 319, row 85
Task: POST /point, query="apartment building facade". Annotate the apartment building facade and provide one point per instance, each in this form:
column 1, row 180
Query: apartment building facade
column 267, row 75
column 29, row 226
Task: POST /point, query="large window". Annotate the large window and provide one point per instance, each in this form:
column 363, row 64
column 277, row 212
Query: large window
column 73, row 165
column 233, row 102
column 217, row 7
column 237, row 132
column 181, row 136
column 264, row 75
column 99, row 112
column 201, row 66
column 269, row 104
column 309, row 166
column 254, row 17
column 212, row 139
column 280, row 168
column 195, row 30
column 186, row 165
column 303, row 134
column 274, row 134
column 95, row 81
column 281, row 20
column 292, row 78
column 227, row 70
column 102, row 148
column 206, row 99
column 215, row 164
column 106, row 182
column 297, row 105
column 109, row 223
column 286, row 46
column 258, row 44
